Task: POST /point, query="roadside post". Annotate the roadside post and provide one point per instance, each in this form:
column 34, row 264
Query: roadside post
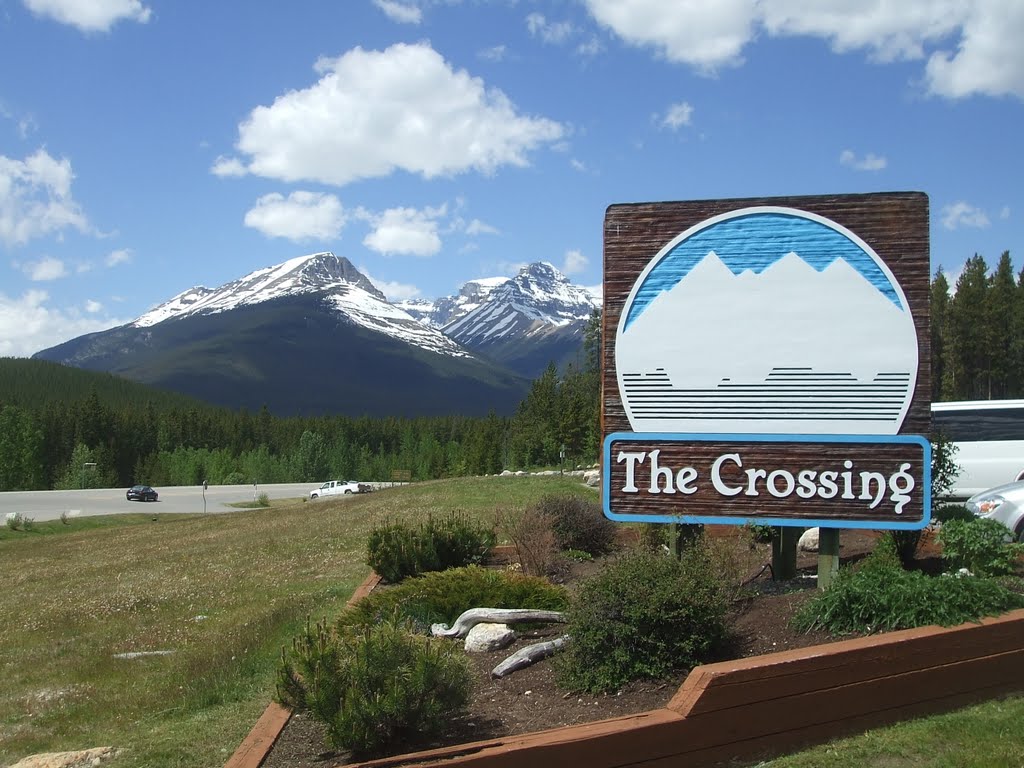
column 85, row 466
column 204, row 497
column 767, row 361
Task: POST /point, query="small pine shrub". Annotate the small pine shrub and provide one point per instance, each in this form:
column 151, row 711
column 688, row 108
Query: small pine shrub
column 443, row 595
column 578, row 523
column 397, row 551
column 263, row 500
column 533, row 537
column 980, row 545
column 878, row 595
column 645, row 615
column 15, row 520
column 375, row 687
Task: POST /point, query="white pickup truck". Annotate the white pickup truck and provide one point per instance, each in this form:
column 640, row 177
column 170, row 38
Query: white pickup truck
column 335, row 488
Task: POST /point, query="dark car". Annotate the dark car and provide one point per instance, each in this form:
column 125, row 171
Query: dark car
column 141, row 493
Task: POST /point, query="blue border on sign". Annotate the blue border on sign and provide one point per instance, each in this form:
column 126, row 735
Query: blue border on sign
column 803, row 522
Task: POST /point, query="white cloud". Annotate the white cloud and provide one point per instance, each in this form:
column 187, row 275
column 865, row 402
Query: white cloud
column 375, row 112
column 577, row 165
column 120, row 256
column 591, row 47
column 477, row 227
column 575, row 262
column 27, row 325
column 494, row 53
column 44, row 270
column 553, row 32
column 870, row 161
column 1004, row 213
column 677, row 116
column 92, row 307
column 961, row 214
column 300, row 216
column 970, row 46
column 395, row 291
column 35, row 198
column 405, row 231
column 403, row 13
column 228, row 166
column 90, row 15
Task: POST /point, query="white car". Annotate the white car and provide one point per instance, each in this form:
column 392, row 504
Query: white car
column 335, row 488
column 1004, row 503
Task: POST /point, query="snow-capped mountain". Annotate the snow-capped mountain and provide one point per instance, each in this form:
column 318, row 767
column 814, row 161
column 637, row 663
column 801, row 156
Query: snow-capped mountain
column 344, row 287
column 448, row 309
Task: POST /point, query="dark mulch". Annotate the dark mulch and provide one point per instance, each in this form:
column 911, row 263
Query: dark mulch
column 528, row 700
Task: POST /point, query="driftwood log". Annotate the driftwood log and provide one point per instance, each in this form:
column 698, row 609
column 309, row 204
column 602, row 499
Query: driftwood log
column 524, row 657
column 475, row 616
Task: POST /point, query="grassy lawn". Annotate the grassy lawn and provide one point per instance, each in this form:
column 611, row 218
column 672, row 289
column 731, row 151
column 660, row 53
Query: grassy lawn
column 222, row 593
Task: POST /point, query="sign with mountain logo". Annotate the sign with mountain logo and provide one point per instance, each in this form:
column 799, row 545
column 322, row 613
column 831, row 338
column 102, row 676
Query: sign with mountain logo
column 767, row 360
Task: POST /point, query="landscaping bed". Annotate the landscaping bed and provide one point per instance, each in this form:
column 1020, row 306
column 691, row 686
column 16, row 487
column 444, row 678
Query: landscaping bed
column 529, row 700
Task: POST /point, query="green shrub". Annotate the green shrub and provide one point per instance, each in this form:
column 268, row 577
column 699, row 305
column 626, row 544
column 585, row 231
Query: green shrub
column 15, row 520
column 645, row 615
column 759, row 534
column 578, row 523
column 905, row 544
column 878, row 595
column 532, row 536
column 263, row 500
column 979, row 545
column 443, row 595
column 396, row 551
column 944, row 513
column 376, row 687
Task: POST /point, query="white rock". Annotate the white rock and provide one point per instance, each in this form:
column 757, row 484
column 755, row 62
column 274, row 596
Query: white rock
column 489, row 637
column 592, row 477
column 80, row 759
column 808, row 541
column 506, row 473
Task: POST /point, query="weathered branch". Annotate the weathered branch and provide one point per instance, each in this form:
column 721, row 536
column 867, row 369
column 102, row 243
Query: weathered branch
column 524, row 657
column 475, row 616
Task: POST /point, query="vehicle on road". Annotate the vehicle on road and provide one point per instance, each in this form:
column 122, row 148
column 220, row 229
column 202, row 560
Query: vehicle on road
column 335, row 488
column 1004, row 503
column 141, row 493
column 989, row 440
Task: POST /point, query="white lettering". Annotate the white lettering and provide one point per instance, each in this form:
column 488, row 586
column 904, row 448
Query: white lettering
column 866, row 478
column 660, row 472
column 684, row 477
column 828, row 488
column 716, row 474
column 807, row 487
column 631, row 459
column 773, row 488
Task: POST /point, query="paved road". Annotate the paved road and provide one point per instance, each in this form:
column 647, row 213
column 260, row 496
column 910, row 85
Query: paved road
column 48, row 505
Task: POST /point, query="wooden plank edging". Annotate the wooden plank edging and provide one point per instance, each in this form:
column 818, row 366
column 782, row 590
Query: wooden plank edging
column 257, row 744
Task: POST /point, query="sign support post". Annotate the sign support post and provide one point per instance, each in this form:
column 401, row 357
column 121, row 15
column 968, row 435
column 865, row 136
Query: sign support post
column 828, row 556
column 784, row 552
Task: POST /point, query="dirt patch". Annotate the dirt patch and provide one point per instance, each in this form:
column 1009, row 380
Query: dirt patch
column 528, row 700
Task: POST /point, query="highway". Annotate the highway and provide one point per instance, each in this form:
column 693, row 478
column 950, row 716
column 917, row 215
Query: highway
column 49, row 505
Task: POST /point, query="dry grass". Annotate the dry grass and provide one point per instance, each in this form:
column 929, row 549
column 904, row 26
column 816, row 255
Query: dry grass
column 220, row 593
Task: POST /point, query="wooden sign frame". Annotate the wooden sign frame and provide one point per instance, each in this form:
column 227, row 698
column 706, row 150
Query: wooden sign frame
column 662, row 268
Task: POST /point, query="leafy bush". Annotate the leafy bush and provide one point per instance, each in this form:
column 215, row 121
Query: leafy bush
column 905, row 544
column 15, row 520
column 397, row 551
column 878, row 595
column 442, row 596
column 979, row 545
column 578, row 523
column 944, row 513
column 759, row 534
column 375, row 687
column 531, row 533
column 645, row 615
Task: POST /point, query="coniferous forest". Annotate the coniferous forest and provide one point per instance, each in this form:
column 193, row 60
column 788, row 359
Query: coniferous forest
column 57, row 422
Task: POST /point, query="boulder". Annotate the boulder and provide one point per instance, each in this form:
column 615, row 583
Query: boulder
column 83, row 758
column 592, row 477
column 489, row 637
column 808, row 541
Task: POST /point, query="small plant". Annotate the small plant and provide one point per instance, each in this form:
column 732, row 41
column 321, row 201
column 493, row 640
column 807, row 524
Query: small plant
column 64, row 518
column 944, row 513
column 578, row 555
column 15, row 520
column 645, row 615
column 578, row 523
column 263, row 500
column 533, row 537
column 374, row 687
column 443, row 595
column 979, row 545
column 905, row 544
column 878, row 595
column 397, row 551
column 759, row 534
column 29, row 523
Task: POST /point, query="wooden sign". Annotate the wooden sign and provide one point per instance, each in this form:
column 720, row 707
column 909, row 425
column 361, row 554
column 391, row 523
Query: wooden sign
column 768, row 360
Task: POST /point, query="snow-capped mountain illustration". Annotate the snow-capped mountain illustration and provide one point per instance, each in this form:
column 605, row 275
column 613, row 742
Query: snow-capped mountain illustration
column 344, row 287
column 787, row 348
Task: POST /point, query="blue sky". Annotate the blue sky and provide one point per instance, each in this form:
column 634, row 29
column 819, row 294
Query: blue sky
column 147, row 146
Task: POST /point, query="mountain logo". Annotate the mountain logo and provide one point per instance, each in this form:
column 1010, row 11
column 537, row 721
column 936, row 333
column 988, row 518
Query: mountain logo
column 769, row 320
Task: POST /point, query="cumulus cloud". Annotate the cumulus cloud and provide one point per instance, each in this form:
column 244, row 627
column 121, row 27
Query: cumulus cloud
column 575, row 262
column 870, row 161
column 405, row 231
column 28, row 325
column 374, row 112
column 92, row 307
column 44, row 270
column 969, row 47
column 394, row 290
column 90, row 15
column 677, row 116
column 961, row 214
column 120, row 256
column 553, row 32
column 300, row 216
column 477, row 227
column 403, row 13
column 494, row 53
column 35, row 198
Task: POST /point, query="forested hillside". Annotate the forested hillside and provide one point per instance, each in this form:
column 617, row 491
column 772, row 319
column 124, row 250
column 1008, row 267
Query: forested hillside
column 56, row 421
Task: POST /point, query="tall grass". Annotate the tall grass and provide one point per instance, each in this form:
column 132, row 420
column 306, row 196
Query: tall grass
column 221, row 593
